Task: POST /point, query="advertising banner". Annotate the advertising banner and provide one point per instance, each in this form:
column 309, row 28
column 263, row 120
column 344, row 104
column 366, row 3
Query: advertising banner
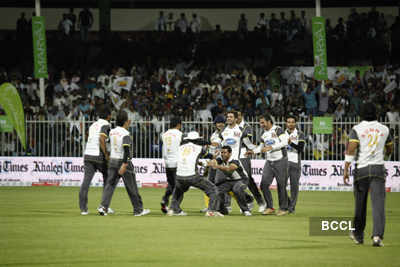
column 39, row 47
column 68, row 171
column 319, row 45
column 322, row 125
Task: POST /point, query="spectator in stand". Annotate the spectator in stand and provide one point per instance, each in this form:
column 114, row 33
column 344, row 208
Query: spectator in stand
column 65, row 26
column 323, row 102
column 304, row 23
column 283, row 27
column 242, row 25
column 161, row 24
column 85, row 22
column 195, row 24
column 274, row 27
column 294, row 25
column 22, row 27
column 182, row 24
column 262, row 23
column 72, row 18
column 310, row 99
column 340, row 29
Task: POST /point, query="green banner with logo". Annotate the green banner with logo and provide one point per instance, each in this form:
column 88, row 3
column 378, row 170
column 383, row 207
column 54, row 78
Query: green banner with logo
column 322, row 125
column 319, row 44
column 39, row 47
column 12, row 105
column 5, row 125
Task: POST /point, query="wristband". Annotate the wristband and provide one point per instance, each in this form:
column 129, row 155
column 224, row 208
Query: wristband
column 348, row 158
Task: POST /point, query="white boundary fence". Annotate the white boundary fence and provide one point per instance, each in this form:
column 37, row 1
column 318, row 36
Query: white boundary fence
column 67, row 138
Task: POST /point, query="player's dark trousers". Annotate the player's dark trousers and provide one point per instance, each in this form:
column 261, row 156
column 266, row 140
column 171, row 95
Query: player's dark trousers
column 238, row 188
column 221, row 177
column 294, row 176
column 129, row 179
column 90, row 168
column 211, row 177
column 275, row 169
column 361, row 187
column 251, row 184
column 183, row 184
column 171, row 177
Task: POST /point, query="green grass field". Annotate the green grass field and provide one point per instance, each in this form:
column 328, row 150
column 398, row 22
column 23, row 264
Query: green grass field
column 43, row 227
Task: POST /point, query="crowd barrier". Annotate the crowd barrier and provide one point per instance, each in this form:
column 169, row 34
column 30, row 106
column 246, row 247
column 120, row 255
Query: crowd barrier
column 68, row 171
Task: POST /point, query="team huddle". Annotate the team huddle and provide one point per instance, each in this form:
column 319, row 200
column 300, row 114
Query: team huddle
column 227, row 155
column 226, row 158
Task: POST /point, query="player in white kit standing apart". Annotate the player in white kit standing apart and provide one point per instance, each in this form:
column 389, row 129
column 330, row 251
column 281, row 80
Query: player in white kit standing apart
column 95, row 156
column 296, row 142
column 120, row 165
column 171, row 140
column 369, row 142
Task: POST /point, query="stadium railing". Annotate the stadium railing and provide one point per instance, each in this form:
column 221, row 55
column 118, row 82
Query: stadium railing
column 66, row 138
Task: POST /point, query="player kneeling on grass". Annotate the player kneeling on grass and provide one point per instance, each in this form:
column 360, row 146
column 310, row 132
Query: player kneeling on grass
column 234, row 177
column 191, row 150
column 120, row 165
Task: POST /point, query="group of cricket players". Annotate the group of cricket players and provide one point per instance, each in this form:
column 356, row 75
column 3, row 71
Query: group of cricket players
column 227, row 160
column 226, row 157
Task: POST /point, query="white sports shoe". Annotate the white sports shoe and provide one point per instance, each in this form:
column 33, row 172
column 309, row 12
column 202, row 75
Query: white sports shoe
column 84, row 212
column 102, row 211
column 144, row 212
column 110, row 211
column 262, row 208
column 247, row 213
column 172, row 213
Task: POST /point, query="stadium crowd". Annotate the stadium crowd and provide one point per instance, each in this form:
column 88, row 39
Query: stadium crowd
column 200, row 75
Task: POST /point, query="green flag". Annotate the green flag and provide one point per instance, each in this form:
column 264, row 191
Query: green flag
column 322, row 125
column 12, row 105
column 39, row 47
column 319, row 44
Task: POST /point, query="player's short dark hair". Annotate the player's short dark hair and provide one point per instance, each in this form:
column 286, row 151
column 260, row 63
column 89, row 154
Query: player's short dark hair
column 175, row 121
column 104, row 112
column 291, row 116
column 232, row 112
column 227, row 148
column 122, row 117
column 266, row 117
column 368, row 112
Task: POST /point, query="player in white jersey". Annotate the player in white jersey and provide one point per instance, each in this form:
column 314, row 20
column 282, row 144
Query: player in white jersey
column 246, row 144
column 120, row 165
column 369, row 142
column 95, row 156
column 187, row 175
column 273, row 142
column 171, row 140
column 296, row 142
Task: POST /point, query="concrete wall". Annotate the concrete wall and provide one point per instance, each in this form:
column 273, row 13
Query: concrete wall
column 144, row 19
